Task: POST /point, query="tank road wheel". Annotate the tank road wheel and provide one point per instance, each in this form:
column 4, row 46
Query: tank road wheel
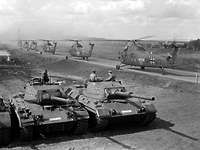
column 148, row 118
column 117, row 67
column 5, row 136
column 26, row 134
column 81, row 127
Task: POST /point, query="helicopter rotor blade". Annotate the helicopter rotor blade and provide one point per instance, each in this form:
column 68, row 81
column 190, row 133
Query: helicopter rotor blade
column 145, row 37
column 71, row 40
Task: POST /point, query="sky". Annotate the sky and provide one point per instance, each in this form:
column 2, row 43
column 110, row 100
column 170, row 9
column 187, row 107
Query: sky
column 113, row 19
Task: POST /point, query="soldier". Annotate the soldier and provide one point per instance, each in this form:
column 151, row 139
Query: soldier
column 111, row 77
column 45, row 77
column 93, row 76
column 54, row 48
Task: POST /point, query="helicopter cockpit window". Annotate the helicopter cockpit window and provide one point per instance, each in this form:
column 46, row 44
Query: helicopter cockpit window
column 79, row 45
column 49, row 44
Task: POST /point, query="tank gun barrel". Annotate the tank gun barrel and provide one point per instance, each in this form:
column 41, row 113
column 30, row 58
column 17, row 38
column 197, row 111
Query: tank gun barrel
column 144, row 98
column 130, row 94
column 48, row 99
column 61, row 99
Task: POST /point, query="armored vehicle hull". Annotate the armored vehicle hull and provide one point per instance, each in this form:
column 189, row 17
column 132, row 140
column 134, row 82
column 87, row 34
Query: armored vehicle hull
column 110, row 103
column 44, row 110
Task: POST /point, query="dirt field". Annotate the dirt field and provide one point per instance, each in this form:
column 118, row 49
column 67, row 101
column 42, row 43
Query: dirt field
column 178, row 103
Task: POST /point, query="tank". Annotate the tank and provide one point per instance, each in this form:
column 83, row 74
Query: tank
column 5, row 122
column 44, row 109
column 110, row 102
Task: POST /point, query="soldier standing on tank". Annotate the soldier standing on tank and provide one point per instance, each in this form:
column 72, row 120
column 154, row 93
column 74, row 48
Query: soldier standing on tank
column 45, row 78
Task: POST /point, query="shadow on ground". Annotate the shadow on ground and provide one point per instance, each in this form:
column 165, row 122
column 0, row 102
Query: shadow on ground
column 111, row 131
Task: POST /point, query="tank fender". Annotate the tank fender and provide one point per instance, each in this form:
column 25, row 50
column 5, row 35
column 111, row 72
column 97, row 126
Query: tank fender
column 103, row 113
column 82, row 114
column 150, row 108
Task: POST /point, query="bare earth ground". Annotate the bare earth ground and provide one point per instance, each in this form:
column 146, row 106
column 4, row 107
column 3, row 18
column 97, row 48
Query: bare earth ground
column 178, row 103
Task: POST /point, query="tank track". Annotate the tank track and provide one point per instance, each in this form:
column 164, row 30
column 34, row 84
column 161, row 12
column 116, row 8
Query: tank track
column 100, row 124
column 81, row 127
column 26, row 134
column 97, row 124
column 148, row 118
column 5, row 136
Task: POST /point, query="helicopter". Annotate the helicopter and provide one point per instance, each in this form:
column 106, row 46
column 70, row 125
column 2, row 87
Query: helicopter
column 80, row 50
column 168, row 44
column 25, row 44
column 49, row 46
column 28, row 44
column 134, row 54
column 41, row 45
